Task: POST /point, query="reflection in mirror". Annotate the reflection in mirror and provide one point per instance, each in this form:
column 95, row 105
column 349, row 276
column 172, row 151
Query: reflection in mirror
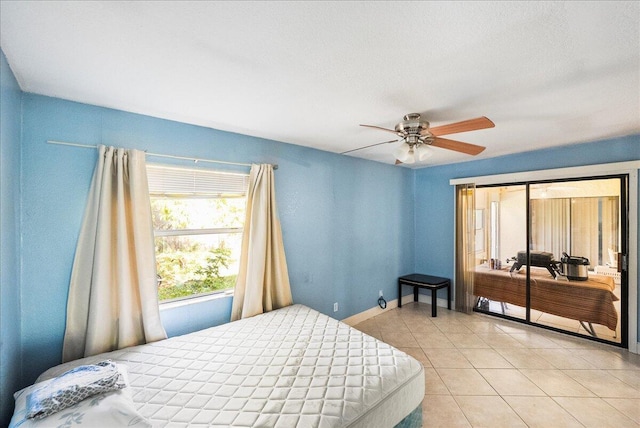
column 494, row 230
column 575, row 238
column 506, row 234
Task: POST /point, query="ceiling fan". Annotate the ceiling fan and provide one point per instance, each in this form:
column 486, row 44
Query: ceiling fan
column 417, row 136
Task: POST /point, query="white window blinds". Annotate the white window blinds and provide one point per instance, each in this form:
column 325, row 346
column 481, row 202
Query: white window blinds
column 185, row 182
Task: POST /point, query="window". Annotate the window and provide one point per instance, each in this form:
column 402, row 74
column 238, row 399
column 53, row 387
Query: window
column 197, row 219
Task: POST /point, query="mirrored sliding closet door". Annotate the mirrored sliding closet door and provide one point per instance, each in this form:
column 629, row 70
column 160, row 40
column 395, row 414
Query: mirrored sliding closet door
column 554, row 254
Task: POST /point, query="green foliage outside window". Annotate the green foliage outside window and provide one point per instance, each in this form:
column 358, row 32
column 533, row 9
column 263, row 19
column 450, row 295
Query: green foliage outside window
column 195, row 264
column 184, row 273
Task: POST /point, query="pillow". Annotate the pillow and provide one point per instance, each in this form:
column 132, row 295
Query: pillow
column 72, row 387
column 111, row 409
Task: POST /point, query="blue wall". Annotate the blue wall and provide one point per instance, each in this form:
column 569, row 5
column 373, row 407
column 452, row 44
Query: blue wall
column 10, row 120
column 10, row 363
column 349, row 225
column 434, row 197
column 344, row 219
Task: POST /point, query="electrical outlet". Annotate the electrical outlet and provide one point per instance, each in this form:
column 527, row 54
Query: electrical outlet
column 380, row 293
column 335, row 307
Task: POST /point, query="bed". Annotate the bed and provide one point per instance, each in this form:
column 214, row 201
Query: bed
column 293, row 367
column 589, row 302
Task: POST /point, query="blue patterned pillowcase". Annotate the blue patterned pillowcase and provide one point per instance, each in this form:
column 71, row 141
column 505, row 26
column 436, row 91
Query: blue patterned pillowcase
column 111, row 409
column 72, row 387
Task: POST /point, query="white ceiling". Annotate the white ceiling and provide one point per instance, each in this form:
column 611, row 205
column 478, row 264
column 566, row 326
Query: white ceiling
column 308, row 73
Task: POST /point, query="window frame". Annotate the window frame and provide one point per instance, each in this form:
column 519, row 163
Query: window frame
column 195, row 191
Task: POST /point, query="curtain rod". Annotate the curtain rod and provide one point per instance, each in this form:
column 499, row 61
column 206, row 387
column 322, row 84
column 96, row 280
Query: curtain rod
column 89, row 146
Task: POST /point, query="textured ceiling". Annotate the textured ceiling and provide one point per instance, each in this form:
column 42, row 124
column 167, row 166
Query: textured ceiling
column 308, row 73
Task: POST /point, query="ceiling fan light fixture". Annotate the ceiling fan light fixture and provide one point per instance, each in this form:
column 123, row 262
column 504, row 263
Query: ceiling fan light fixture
column 418, row 138
column 403, row 152
column 423, row 152
column 411, row 159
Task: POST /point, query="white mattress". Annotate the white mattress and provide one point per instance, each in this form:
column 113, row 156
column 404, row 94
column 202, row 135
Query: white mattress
column 286, row 368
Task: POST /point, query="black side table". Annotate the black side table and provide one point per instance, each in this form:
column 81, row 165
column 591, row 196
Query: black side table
column 433, row 283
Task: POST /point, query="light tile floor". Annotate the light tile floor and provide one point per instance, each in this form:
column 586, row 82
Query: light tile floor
column 483, row 371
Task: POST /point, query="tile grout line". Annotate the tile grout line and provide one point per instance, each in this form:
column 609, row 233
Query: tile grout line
column 444, row 327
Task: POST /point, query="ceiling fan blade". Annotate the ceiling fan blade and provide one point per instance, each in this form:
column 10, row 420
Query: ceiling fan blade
column 383, row 129
column 370, row 145
column 464, row 126
column 458, row 146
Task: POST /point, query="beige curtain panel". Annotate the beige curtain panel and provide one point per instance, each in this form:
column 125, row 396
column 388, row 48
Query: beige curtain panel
column 113, row 300
column 465, row 247
column 263, row 280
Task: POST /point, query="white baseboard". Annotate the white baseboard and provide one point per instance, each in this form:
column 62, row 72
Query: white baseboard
column 426, row 298
column 634, row 347
column 369, row 313
column 392, row 304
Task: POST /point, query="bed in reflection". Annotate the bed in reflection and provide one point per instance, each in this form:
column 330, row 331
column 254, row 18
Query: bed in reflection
column 589, row 302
